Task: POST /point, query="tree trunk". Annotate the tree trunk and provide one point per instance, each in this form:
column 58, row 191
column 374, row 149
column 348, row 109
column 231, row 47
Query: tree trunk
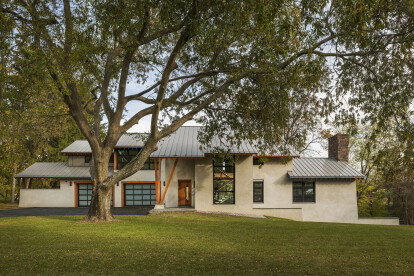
column 13, row 191
column 100, row 209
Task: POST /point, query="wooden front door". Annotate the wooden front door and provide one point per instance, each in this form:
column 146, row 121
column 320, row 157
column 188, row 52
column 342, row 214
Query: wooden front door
column 184, row 192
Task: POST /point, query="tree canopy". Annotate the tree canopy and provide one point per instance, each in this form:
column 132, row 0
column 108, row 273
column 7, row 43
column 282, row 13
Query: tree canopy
column 262, row 71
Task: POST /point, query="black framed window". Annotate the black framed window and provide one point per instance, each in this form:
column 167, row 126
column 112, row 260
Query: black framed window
column 84, row 195
column 258, row 191
column 124, row 156
column 139, row 194
column 223, row 181
column 303, row 191
column 88, row 158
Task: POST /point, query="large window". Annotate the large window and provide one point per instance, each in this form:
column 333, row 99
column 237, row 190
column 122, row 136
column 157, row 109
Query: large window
column 139, row 194
column 223, row 181
column 258, row 191
column 124, row 156
column 303, row 191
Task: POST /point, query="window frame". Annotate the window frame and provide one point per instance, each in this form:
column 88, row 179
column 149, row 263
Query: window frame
column 139, row 184
column 303, row 191
column 234, row 180
column 254, row 188
column 149, row 164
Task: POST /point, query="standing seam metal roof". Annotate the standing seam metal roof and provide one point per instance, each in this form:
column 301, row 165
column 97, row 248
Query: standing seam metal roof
column 322, row 167
column 56, row 170
column 182, row 143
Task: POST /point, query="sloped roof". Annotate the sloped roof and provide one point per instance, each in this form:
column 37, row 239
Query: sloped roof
column 79, row 146
column 56, row 170
column 182, row 143
column 322, row 168
column 126, row 140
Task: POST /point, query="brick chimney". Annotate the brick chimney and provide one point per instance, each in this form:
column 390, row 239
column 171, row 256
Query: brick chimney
column 338, row 147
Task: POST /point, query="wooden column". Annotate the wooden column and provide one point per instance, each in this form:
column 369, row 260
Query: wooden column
column 157, row 192
column 157, row 167
column 159, row 180
column 169, row 180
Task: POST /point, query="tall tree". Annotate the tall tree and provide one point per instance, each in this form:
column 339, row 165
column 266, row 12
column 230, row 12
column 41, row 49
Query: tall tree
column 386, row 157
column 246, row 66
column 34, row 122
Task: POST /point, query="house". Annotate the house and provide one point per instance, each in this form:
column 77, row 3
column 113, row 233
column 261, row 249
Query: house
column 179, row 174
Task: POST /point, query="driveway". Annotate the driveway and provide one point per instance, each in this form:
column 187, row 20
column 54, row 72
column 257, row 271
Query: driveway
column 25, row 212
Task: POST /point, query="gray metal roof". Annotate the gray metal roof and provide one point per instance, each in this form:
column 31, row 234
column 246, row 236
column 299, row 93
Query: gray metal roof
column 184, row 143
column 79, row 146
column 322, row 168
column 126, row 140
column 55, row 170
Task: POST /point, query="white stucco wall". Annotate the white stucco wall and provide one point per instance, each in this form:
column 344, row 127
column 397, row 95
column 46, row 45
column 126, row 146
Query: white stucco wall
column 243, row 187
column 335, row 200
column 63, row 197
column 183, row 171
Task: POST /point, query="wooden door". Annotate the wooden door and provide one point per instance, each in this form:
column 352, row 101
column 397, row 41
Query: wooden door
column 184, row 192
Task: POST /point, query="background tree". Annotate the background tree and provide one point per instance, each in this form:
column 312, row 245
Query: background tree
column 386, row 158
column 244, row 69
column 34, row 122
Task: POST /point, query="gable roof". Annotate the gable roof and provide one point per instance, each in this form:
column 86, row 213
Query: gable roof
column 322, row 168
column 183, row 143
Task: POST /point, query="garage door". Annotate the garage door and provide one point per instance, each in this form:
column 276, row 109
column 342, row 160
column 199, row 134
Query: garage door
column 139, row 194
column 85, row 194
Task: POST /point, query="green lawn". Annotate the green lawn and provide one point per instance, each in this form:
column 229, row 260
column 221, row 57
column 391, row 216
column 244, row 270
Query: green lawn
column 6, row 206
column 194, row 243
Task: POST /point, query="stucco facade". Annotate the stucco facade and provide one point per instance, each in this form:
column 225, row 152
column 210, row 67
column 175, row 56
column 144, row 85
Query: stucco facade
column 308, row 189
column 335, row 201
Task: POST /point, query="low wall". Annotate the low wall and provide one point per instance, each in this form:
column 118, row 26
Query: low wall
column 63, row 197
column 380, row 221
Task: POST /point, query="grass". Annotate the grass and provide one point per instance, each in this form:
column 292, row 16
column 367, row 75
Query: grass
column 6, row 206
column 195, row 243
